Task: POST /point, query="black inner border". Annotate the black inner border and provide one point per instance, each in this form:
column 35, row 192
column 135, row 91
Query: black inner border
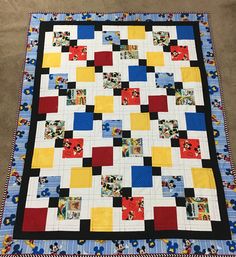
column 220, row 229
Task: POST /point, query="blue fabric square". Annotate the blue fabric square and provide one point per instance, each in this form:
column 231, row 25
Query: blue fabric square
column 141, row 176
column 195, row 121
column 86, row 32
column 83, row 121
column 185, row 32
column 137, row 73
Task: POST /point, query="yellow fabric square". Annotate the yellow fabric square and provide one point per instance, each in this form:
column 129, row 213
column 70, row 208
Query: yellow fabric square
column 101, row 219
column 85, row 74
column 161, row 157
column 140, row 121
column 155, row 59
column 81, row 177
column 203, row 178
column 136, row 32
column 104, row 104
column 43, row 158
column 190, row 74
column 51, row 60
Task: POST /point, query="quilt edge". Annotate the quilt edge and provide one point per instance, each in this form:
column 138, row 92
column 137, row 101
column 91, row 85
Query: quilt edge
column 9, row 168
column 224, row 112
column 17, row 115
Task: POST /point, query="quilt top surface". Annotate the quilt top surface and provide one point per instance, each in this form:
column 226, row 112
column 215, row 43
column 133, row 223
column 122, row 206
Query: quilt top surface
column 121, row 145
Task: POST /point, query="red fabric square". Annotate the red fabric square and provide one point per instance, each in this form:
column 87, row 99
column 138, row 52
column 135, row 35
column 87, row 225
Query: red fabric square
column 179, row 53
column 102, row 156
column 132, row 208
column 34, row 219
column 165, row 218
column 78, row 53
column 73, row 148
column 158, row 103
column 190, row 148
column 103, row 58
column 48, row 104
column 130, row 96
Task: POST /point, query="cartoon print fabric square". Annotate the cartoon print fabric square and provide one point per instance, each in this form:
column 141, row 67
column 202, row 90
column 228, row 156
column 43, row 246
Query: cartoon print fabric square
column 121, row 143
column 58, row 81
column 112, row 128
column 78, row 53
column 76, row 97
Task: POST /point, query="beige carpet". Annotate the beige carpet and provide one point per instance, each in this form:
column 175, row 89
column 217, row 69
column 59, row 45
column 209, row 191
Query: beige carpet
column 14, row 18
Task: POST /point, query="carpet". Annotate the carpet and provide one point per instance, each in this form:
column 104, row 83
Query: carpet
column 123, row 139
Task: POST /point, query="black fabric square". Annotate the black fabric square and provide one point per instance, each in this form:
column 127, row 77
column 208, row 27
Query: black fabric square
column 97, row 116
column 156, row 171
column 174, row 142
column 166, row 49
column 194, row 64
column 89, row 108
column 170, row 91
column 150, row 69
column 126, row 191
column 124, row 42
column 58, row 143
column 115, row 48
column 90, row 63
column 125, row 84
column 84, row 227
column 147, row 161
column 62, row 92
column 126, row 133
column 71, row 85
column 142, row 62
column 44, row 71
column 206, row 163
column 98, row 69
column 87, row 162
column 53, row 202
column 117, row 91
column 180, row 201
column 173, row 42
column 34, row 172
column 153, row 115
column 98, row 27
column 200, row 108
column 148, row 27
column 117, row 141
column 183, row 134
column 65, row 49
column 41, row 116
column 68, row 134
column 64, row 192
column 144, row 108
column 178, row 85
column 73, row 42
column 189, row 192
column 97, row 171
column 149, row 228
column 117, row 202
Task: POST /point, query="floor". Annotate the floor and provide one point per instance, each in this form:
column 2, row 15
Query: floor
column 14, row 19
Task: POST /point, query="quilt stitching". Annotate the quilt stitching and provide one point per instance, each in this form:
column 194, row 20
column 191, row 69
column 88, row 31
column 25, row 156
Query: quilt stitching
column 215, row 104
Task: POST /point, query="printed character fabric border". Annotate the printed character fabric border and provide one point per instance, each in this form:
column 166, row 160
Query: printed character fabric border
column 9, row 245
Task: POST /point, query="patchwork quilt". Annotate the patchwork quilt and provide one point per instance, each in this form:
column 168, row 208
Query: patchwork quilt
column 121, row 145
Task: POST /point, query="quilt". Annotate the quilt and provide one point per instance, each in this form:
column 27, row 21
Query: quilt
column 121, row 145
